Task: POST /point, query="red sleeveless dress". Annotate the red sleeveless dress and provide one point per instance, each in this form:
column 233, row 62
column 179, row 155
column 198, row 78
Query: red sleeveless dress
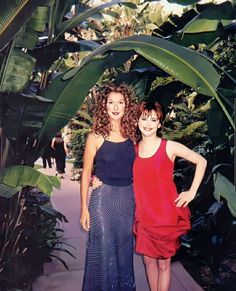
column 158, row 222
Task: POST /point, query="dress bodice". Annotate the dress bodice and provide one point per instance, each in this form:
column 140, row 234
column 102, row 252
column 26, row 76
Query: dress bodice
column 114, row 162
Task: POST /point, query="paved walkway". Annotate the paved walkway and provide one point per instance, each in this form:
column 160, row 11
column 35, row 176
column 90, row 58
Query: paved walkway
column 57, row 278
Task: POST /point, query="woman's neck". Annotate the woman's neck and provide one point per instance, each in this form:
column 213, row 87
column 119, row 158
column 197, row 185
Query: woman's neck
column 115, row 126
column 150, row 139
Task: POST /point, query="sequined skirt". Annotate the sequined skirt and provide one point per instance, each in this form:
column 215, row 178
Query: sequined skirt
column 109, row 254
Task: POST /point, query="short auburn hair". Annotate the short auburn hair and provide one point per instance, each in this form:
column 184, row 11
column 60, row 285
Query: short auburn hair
column 145, row 108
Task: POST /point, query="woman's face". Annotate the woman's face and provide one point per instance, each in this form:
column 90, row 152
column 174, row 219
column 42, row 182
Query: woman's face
column 115, row 105
column 149, row 123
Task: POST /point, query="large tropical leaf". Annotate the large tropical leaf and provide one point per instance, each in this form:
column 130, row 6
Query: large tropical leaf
column 63, row 7
column 184, row 64
column 165, row 94
column 216, row 21
column 13, row 14
column 209, row 19
column 23, row 116
column 216, row 118
column 187, row 39
column 183, row 2
column 46, row 55
column 8, row 192
column 69, row 94
column 19, row 176
column 16, row 72
column 140, row 80
column 78, row 19
column 70, row 89
column 223, row 188
column 28, row 36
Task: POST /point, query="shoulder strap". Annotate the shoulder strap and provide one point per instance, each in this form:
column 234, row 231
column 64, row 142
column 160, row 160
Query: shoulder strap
column 163, row 144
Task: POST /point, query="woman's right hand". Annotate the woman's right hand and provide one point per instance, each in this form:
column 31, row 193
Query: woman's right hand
column 96, row 182
column 85, row 219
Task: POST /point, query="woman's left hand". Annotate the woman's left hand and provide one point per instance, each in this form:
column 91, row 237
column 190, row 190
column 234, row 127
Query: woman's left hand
column 184, row 198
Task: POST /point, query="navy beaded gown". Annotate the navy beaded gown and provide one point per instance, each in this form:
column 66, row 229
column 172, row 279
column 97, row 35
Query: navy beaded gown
column 109, row 254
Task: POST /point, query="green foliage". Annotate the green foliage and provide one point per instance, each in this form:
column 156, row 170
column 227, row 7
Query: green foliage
column 67, row 25
column 28, row 237
column 14, row 13
column 15, row 177
column 184, row 64
column 17, row 72
column 225, row 189
column 186, row 122
column 80, row 126
column 30, row 121
column 211, row 18
column 78, row 145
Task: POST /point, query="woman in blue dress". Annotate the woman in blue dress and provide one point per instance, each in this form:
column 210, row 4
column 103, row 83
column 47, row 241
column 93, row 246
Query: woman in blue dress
column 110, row 215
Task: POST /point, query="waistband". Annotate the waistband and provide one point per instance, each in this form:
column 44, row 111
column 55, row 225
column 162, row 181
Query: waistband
column 116, row 181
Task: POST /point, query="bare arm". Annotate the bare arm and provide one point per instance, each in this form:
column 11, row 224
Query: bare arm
column 53, row 144
column 65, row 148
column 88, row 160
column 175, row 149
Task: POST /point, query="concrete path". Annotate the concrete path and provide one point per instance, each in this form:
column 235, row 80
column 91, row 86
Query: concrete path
column 57, row 278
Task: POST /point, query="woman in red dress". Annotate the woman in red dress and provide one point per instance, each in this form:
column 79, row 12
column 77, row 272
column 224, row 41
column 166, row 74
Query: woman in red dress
column 161, row 214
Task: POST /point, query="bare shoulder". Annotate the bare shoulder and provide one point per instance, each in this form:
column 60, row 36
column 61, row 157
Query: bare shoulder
column 176, row 146
column 94, row 139
column 173, row 144
column 174, row 149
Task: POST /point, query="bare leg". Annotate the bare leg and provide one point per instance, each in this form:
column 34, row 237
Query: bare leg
column 164, row 267
column 151, row 272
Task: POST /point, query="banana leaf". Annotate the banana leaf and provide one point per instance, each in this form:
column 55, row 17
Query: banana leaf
column 229, row 97
column 13, row 14
column 27, row 37
column 62, row 7
column 164, row 94
column 140, row 80
column 183, row 2
column 23, row 116
column 70, row 89
column 187, row 39
column 209, row 19
column 46, row 55
column 217, row 21
column 20, row 176
column 185, row 65
column 67, row 25
column 223, row 188
column 7, row 191
column 69, row 94
column 217, row 124
column 17, row 71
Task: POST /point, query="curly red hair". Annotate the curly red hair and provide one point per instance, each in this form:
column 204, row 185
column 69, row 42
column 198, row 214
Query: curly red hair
column 101, row 123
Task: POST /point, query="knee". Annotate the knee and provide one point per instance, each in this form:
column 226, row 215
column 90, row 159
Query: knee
column 164, row 265
column 149, row 262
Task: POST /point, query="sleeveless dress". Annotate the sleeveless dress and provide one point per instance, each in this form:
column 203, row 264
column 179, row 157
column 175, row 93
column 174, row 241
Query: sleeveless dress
column 109, row 256
column 60, row 155
column 158, row 222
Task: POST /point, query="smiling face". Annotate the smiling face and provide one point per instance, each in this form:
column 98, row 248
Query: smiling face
column 149, row 123
column 115, row 105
